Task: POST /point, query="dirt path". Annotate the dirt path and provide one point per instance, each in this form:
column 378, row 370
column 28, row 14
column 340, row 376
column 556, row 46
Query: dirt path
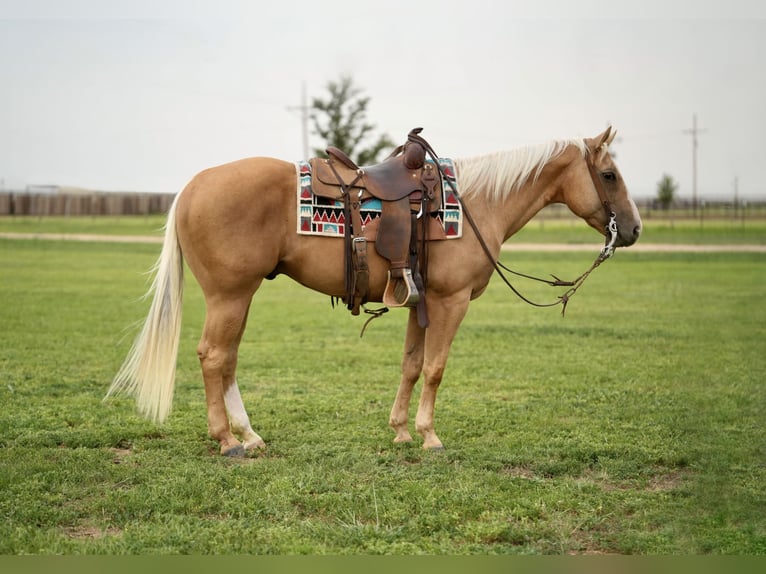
column 558, row 247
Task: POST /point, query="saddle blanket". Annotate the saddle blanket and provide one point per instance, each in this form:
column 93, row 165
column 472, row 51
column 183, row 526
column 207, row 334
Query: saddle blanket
column 323, row 216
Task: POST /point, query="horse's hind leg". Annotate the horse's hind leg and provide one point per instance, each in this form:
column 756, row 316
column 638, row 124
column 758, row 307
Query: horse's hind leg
column 217, row 351
column 240, row 422
column 412, row 365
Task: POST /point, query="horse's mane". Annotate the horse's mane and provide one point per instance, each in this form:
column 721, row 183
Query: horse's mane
column 501, row 173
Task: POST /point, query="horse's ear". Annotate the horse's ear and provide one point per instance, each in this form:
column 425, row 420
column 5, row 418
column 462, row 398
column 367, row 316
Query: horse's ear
column 604, row 138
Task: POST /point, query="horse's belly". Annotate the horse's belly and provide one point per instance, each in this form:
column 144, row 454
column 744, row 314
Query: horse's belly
column 319, row 264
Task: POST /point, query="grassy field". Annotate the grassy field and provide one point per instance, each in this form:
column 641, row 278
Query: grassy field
column 634, row 425
column 100, row 225
column 540, row 230
column 713, row 231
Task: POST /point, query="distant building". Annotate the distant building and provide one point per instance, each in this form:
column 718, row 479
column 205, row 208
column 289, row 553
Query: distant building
column 57, row 189
column 42, row 189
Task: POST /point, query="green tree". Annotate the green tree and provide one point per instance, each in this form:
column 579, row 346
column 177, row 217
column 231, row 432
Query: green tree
column 666, row 191
column 340, row 120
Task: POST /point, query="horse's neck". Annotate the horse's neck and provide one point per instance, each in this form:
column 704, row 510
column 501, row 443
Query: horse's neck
column 506, row 209
column 520, row 206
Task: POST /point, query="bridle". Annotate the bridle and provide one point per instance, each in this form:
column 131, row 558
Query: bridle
column 611, row 226
column 606, row 252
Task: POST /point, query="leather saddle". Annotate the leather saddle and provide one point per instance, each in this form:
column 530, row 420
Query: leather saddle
column 409, row 188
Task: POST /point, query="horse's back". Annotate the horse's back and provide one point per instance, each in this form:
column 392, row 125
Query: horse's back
column 232, row 184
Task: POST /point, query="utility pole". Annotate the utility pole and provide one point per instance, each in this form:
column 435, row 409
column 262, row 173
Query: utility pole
column 693, row 132
column 304, row 111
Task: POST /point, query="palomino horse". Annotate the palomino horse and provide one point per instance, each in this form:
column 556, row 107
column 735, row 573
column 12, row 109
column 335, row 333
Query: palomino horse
column 236, row 225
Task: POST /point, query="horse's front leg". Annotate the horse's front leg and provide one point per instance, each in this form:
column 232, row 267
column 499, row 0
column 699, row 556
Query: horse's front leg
column 412, row 365
column 445, row 316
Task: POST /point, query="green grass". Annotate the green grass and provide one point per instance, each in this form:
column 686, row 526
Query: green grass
column 97, row 224
column 540, row 230
column 712, row 231
column 633, row 425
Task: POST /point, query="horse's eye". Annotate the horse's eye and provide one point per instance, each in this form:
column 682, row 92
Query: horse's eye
column 609, row 176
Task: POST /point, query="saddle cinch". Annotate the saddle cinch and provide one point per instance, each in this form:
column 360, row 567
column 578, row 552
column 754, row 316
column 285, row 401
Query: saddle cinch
column 409, row 189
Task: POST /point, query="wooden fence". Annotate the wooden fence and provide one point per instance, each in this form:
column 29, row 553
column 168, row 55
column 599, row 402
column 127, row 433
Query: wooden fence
column 25, row 203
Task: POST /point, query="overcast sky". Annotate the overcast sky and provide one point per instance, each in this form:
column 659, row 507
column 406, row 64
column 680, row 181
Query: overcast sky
column 141, row 95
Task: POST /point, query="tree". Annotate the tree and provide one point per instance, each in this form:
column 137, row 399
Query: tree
column 666, row 191
column 340, row 120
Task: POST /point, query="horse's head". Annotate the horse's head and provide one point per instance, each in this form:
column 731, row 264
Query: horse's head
column 599, row 190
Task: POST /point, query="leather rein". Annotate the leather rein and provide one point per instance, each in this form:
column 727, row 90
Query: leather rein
column 606, row 252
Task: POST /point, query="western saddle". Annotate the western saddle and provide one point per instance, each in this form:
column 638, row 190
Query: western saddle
column 409, row 189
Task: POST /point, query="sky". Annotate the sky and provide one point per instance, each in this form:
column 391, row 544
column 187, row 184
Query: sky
column 140, row 95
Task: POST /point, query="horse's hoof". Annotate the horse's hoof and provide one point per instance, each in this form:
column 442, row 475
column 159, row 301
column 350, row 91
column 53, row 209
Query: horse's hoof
column 237, row 451
column 255, row 445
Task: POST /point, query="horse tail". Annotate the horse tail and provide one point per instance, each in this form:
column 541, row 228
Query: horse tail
column 148, row 372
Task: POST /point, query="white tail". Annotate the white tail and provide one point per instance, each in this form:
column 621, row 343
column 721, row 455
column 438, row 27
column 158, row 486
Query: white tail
column 149, row 370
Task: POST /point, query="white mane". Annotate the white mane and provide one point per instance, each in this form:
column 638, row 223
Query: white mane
column 500, row 173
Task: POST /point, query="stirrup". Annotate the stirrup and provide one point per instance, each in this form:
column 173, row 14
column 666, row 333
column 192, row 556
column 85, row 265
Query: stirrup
column 401, row 291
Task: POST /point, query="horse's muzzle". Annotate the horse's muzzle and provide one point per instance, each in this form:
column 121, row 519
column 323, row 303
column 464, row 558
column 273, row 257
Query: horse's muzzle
column 627, row 238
